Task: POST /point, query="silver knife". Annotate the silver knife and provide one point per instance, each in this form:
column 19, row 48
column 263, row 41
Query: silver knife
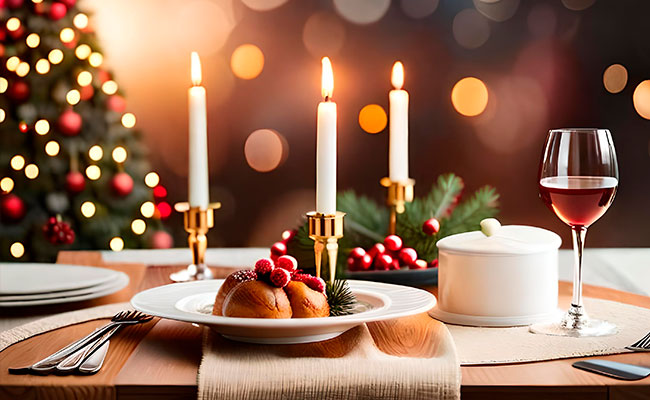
column 614, row 369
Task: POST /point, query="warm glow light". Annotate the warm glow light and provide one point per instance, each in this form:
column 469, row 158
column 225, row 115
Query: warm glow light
column 42, row 66
column 641, row 99
column 55, row 56
column 73, row 97
column 17, row 250
column 88, row 209
column 96, row 153
column 152, row 179
column 96, row 59
column 265, row 150
column 372, row 118
column 13, row 24
column 2, row 115
column 66, row 35
column 147, row 209
column 42, row 127
column 82, row 51
column 23, row 69
column 397, row 77
column 327, row 79
column 17, row 162
column 247, row 61
column 128, row 120
column 119, row 154
column 37, row 1
column 6, row 184
column 80, row 21
column 93, row 172
column 138, row 226
column 52, row 148
column 615, row 78
column 469, row 96
column 195, row 68
column 84, row 78
column 33, row 40
column 117, row 244
column 109, row 87
column 12, row 63
column 4, row 84
column 31, row 171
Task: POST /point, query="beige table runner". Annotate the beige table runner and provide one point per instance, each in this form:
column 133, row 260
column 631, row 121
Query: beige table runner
column 352, row 367
column 477, row 346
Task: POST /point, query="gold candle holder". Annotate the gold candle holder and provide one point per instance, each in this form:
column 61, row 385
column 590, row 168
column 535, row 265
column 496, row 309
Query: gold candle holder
column 398, row 194
column 325, row 230
column 197, row 221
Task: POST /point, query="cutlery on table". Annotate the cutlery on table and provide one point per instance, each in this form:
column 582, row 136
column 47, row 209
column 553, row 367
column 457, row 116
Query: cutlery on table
column 641, row 345
column 95, row 361
column 50, row 363
column 614, row 369
column 74, row 360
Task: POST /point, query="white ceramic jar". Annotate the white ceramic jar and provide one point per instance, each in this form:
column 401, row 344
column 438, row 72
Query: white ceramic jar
column 507, row 279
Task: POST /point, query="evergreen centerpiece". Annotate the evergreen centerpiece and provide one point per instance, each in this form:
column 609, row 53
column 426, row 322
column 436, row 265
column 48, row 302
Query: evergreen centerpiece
column 71, row 159
column 425, row 221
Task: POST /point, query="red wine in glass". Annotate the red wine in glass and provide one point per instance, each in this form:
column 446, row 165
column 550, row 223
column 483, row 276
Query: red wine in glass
column 578, row 200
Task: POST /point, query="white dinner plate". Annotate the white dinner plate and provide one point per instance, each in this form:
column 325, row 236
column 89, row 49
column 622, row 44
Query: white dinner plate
column 117, row 283
column 32, row 278
column 192, row 302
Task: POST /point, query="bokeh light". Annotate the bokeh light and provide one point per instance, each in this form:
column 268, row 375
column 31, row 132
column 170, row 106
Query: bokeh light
column 323, row 33
column 80, row 21
column 641, row 99
column 88, row 209
column 42, row 127
column 33, row 40
column 615, row 78
column 499, row 11
column 119, row 154
column 55, row 56
column 419, row 8
column 23, row 69
column 52, row 148
column 13, row 24
column 247, row 61
column 372, row 118
column 6, row 184
column 362, row 11
column 96, row 153
column 128, row 120
column 42, row 66
column 17, row 162
column 31, row 171
column 116, row 244
column 470, row 29
column 82, row 51
column 578, row 5
column 66, row 35
column 138, row 226
column 84, row 78
column 265, row 150
column 151, row 179
column 164, row 209
column 93, row 172
column 147, row 209
column 12, row 63
column 469, row 96
column 17, row 250
column 4, row 84
column 2, row 114
column 73, row 97
column 109, row 87
column 263, row 5
column 96, row 59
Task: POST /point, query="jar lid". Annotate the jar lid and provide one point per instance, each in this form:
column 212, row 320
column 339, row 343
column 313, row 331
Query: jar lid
column 508, row 240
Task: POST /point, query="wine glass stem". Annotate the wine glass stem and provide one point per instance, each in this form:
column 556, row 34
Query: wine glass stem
column 578, row 233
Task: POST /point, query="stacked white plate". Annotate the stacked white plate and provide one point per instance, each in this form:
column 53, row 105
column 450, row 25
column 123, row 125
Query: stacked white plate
column 30, row 284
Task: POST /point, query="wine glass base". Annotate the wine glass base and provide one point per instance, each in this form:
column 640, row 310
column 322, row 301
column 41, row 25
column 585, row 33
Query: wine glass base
column 192, row 273
column 575, row 323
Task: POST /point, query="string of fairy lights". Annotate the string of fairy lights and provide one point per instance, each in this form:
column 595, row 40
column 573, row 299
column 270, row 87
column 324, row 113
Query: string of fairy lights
column 42, row 127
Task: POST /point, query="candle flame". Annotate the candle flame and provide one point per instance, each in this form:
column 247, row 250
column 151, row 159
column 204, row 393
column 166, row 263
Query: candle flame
column 195, row 68
column 327, row 79
column 397, row 77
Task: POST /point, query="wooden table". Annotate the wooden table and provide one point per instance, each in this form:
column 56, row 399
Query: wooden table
column 160, row 360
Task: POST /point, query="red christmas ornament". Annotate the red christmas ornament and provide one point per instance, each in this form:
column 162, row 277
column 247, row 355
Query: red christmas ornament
column 288, row 235
column 57, row 11
column 395, row 264
column 13, row 208
column 365, row 262
column 116, row 103
column 393, row 242
column 277, row 250
column 58, row 232
column 75, row 182
column 433, row 264
column 23, row 127
column 161, row 240
column 383, row 262
column 164, row 209
column 280, row 277
column 408, row 255
column 376, row 250
column 159, row 192
column 122, row 184
column 431, row 226
column 70, row 123
column 419, row 264
column 352, row 263
column 357, row 253
column 19, row 91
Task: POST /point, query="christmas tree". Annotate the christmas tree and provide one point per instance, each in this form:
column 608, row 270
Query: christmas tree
column 74, row 173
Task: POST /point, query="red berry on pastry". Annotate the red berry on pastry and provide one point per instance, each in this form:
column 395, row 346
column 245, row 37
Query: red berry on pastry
column 357, row 252
column 288, row 263
column 365, row 262
column 316, row 284
column 280, row 277
column 377, row 250
column 419, row 264
column 408, row 255
column 383, row 262
column 431, row 226
column 393, row 242
column 264, row 266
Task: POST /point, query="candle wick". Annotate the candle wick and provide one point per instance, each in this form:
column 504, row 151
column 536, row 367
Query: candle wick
column 327, row 98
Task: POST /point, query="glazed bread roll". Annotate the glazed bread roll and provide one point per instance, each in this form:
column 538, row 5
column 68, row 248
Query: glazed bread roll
column 306, row 302
column 256, row 299
column 229, row 284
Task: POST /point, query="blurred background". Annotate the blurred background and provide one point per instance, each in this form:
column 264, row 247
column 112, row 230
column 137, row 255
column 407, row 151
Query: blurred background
column 538, row 65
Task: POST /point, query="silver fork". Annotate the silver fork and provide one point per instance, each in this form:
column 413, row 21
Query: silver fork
column 49, row 363
column 641, row 345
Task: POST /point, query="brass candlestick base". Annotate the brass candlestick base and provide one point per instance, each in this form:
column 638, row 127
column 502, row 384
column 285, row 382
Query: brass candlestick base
column 399, row 193
column 325, row 230
column 197, row 222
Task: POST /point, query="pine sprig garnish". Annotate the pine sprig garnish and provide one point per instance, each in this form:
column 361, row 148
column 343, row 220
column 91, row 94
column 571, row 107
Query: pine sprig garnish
column 340, row 298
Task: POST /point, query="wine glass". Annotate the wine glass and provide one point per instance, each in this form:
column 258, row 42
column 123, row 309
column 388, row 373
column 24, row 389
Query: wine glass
column 578, row 179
